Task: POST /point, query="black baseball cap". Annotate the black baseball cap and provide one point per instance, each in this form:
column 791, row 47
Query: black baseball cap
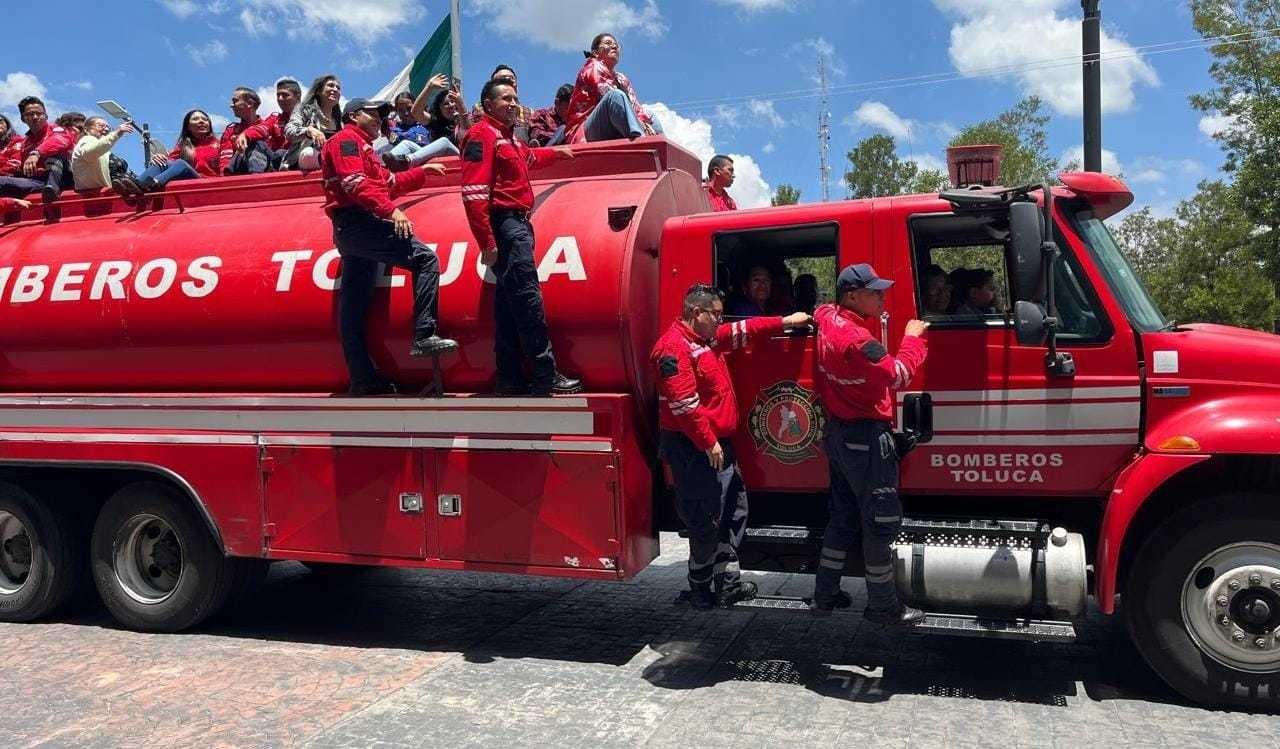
column 860, row 276
column 355, row 105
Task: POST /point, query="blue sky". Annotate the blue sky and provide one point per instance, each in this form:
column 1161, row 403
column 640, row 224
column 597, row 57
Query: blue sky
column 735, row 76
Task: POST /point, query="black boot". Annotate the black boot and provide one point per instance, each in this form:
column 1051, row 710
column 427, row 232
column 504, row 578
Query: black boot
column 510, row 389
column 903, row 616
column 395, row 163
column 824, row 605
column 739, row 591
column 561, row 385
column 701, row 598
column 432, row 346
column 377, row 387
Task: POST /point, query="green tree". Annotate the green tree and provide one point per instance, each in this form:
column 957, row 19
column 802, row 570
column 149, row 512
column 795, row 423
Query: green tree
column 875, row 169
column 785, row 195
column 1199, row 265
column 1021, row 131
column 1246, row 68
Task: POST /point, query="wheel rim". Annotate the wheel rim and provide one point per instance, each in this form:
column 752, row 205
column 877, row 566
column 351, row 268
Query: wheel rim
column 148, row 559
column 1231, row 606
column 15, row 553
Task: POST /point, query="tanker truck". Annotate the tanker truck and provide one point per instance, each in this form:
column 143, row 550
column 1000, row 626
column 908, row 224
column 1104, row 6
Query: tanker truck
column 172, row 415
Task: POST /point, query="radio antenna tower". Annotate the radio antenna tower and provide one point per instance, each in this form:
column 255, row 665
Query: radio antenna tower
column 824, row 131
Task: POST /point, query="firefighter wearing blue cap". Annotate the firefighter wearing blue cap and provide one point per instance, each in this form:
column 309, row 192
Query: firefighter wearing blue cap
column 856, row 379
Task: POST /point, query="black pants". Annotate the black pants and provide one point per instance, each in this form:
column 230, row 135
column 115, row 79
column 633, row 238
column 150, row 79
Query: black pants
column 711, row 504
column 255, row 159
column 364, row 240
column 58, row 176
column 519, row 317
column 864, row 503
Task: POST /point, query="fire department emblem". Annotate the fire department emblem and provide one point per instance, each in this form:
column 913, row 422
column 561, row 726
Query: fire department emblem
column 785, row 422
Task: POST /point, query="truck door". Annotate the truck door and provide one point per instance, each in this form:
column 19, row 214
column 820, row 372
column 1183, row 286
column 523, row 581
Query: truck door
column 1002, row 423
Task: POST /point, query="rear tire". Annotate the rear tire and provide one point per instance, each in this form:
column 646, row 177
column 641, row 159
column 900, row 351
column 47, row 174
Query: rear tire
column 1213, row 562
column 41, row 562
column 155, row 563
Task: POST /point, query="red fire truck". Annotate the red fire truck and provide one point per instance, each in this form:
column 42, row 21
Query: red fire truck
column 168, row 422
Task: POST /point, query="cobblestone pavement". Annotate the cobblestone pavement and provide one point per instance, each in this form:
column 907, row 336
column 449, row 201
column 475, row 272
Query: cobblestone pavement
column 391, row 658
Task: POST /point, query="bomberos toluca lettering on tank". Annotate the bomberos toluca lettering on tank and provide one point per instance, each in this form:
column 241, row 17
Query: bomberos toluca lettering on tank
column 996, row 467
column 293, row 269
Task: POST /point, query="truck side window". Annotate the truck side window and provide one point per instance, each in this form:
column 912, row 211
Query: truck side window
column 776, row 271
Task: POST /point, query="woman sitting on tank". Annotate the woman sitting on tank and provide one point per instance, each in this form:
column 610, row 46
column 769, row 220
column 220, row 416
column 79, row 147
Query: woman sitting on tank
column 314, row 121
column 412, row 143
column 195, row 155
column 604, row 105
column 439, row 109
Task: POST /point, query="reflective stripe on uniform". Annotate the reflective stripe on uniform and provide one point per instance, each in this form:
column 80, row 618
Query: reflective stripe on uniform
column 831, row 564
column 684, row 406
column 856, row 446
column 904, row 376
column 840, row 380
column 888, row 518
column 879, row 573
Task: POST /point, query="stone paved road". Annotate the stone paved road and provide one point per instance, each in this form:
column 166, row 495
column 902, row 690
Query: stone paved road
column 394, row 658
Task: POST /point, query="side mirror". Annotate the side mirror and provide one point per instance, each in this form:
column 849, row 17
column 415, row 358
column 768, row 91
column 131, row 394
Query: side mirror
column 1026, row 238
column 917, row 416
column 1029, row 323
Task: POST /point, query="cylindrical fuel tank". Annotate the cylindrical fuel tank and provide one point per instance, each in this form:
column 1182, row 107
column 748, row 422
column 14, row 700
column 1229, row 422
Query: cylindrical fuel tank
column 229, row 284
column 972, row 570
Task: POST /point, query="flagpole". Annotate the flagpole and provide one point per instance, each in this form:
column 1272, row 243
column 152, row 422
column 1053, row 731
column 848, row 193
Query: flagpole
column 455, row 32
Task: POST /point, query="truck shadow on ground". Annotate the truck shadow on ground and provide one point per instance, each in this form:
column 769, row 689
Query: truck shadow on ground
column 634, row 625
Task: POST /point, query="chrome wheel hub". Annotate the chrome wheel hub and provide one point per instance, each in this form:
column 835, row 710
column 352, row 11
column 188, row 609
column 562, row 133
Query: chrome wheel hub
column 1231, row 606
column 15, row 553
column 148, row 559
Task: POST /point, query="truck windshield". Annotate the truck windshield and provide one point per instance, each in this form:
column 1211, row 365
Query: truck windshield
column 1138, row 306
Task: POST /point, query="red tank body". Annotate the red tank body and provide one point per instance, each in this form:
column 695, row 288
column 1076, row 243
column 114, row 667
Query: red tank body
column 227, row 285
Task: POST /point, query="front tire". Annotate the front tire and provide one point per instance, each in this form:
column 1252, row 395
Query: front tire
column 1202, row 601
column 156, row 566
column 41, row 562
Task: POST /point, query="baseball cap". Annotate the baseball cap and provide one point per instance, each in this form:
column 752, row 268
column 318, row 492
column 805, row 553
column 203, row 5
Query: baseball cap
column 355, row 105
column 860, row 276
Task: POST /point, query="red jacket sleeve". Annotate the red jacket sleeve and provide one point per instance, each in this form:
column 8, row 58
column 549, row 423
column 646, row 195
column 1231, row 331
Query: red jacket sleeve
column 346, row 161
column 59, row 142
column 540, row 157
column 867, row 355
column 406, row 182
column 226, row 149
column 678, row 390
column 735, row 335
column 261, row 130
column 477, row 183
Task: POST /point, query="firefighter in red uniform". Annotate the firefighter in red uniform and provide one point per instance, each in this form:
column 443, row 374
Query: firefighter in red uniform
column 697, row 415
column 856, row 379
column 497, row 197
column 369, row 229
column 719, row 180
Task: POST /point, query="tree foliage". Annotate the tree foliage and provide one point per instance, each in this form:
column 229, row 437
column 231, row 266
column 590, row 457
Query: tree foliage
column 1021, row 131
column 785, row 195
column 876, row 170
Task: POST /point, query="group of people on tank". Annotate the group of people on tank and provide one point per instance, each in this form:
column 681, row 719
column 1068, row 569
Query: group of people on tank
column 75, row 151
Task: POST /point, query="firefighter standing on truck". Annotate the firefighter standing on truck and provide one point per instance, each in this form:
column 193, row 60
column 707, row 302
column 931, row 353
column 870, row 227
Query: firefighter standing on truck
column 369, row 229
column 697, row 414
column 497, row 197
column 856, row 379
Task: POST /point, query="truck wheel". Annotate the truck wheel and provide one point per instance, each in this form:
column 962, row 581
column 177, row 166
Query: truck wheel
column 1202, row 601
column 155, row 564
column 40, row 561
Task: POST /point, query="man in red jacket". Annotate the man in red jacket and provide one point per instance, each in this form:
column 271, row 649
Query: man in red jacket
column 46, row 155
column 369, row 229
column 856, row 379
column 270, row 129
column 697, row 415
column 498, row 198
column 719, row 180
column 236, row 153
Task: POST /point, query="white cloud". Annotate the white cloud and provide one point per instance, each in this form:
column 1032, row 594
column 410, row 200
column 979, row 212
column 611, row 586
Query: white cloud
column 768, row 148
column 254, row 24
column 879, row 116
column 181, row 8
column 568, row 25
column 1030, row 41
column 749, row 188
column 1075, row 156
column 805, row 54
column 15, row 86
column 928, row 161
column 764, row 111
column 363, row 20
column 757, row 6
column 1212, row 125
column 1147, row 176
column 218, row 122
column 207, row 54
column 81, row 85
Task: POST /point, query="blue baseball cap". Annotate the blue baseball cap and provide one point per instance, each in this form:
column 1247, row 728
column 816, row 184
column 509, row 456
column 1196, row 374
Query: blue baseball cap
column 860, row 276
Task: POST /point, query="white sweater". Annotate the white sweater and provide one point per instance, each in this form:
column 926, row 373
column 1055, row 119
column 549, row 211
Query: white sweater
column 89, row 160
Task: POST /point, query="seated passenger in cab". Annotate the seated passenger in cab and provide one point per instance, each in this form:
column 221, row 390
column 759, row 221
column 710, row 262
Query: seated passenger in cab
column 45, row 155
column 604, row 105
column 935, row 289
column 973, row 292
column 439, row 108
column 236, row 153
column 270, row 129
column 410, row 143
column 315, row 121
column 196, row 154
column 91, row 159
column 756, row 291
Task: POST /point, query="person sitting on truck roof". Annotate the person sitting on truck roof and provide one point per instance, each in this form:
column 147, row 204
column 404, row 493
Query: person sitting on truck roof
column 936, row 287
column 91, row 158
column 604, row 105
column 45, row 155
column 369, row 229
column 521, row 129
column 410, row 142
column 236, row 154
column 546, row 126
column 315, row 121
column 73, row 121
column 196, row 154
column 973, row 292
column 698, row 415
column 270, row 129
column 719, row 180
column 10, row 149
column 439, row 108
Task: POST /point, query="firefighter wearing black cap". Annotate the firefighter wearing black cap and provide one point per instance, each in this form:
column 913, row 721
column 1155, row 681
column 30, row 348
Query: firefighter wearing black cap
column 369, row 229
column 856, row 380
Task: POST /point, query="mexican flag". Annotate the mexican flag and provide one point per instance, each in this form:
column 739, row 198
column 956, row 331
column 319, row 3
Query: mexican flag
column 437, row 56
